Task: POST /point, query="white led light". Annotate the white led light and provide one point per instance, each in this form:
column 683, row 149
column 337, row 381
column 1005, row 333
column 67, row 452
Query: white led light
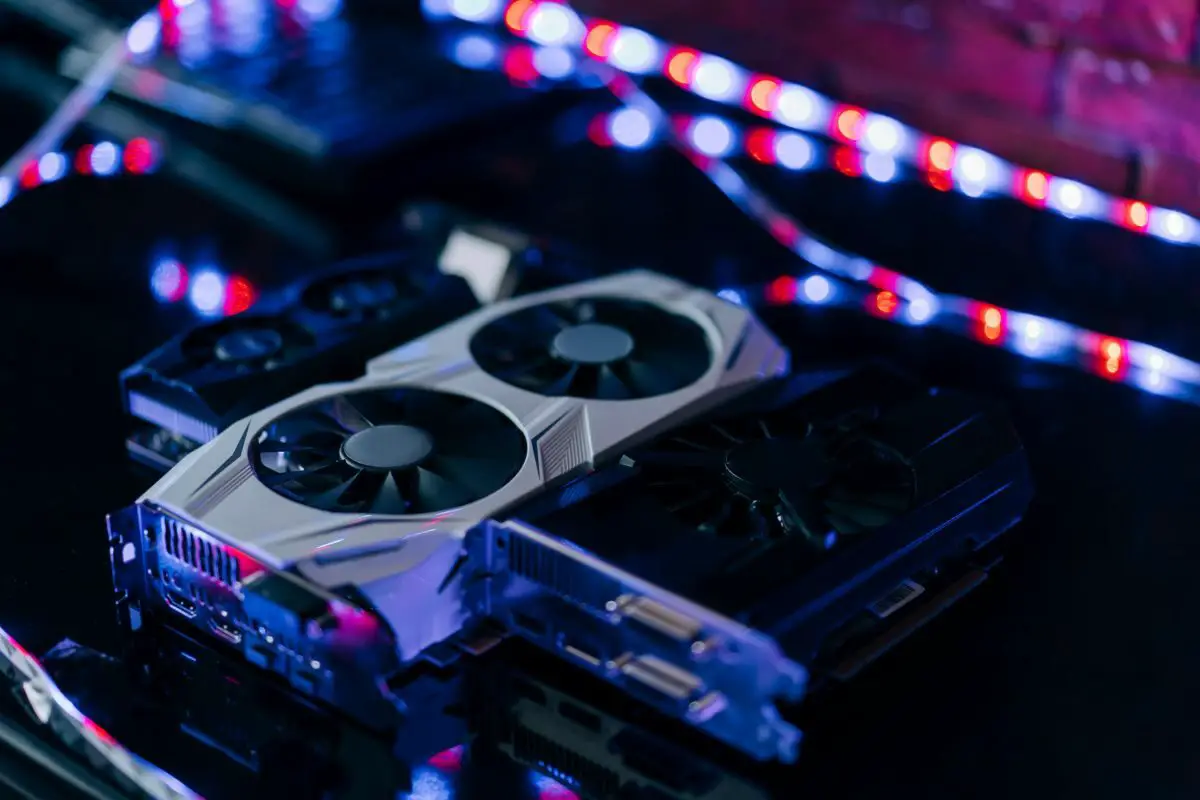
column 6, row 191
column 554, row 63
column 882, row 135
column 971, row 166
column 732, row 296
column 435, row 9
column 475, row 10
column 712, row 136
column 1072, row 199
column 1172, row 225
column 972, row 188
column 105, row 158
column 551, row 23
column 816, row 289
column 207, row 293
column 143, row 35
column 635, row 51
column 793, row 151
column 475, row 51
column 51, row 167
column 717, row 79
column 630, row 128
column 879, row 167
column 921, row 310
column 797, row 106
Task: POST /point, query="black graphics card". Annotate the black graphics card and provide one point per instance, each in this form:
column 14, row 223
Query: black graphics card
column 729, row 567
column 323, row 329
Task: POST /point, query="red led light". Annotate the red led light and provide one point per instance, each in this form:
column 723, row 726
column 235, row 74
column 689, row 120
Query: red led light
column 760, row 97
column 760, row 145
column 598, row 131
column 140, row 156
column 848, row 161
column 781, row 291
column 599, row 39
column 939, row 180
column 519, row 66
column 448, row 760
column 680, row 66
column 884, row 303
column 883, row 278
column 784, row 231
column 516, row 18
column 1033, row 187
column 939, row 155
column 1137, row 215
column 100, row 733
column 1112, row 353
column 239, row 295
column 991, row 324
column 848, row 124
column 83, row 159
column 31, row 177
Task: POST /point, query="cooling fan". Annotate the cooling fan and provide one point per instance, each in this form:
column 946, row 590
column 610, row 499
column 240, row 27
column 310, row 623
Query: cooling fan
column 601, row 348
column 362, row 295
column 778, row 475
column 389, row 451
column 240, row 345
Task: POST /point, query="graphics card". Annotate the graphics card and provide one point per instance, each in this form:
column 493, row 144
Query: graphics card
column 586, row 736
column 721, row 570
column 323, row 329
column 323, row 534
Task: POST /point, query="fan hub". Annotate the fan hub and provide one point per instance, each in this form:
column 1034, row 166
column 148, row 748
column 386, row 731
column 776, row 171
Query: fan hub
column 249, row 344
column 387, row 448
column 763, row 467
column 592, row 343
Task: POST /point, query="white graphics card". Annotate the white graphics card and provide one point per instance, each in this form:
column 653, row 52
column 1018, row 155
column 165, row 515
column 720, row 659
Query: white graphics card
column 372, row 484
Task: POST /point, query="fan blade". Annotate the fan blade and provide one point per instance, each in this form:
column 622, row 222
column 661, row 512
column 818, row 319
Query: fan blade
column 394, row 493
column 434, row 493
column 304, row 424
column 327, row 470
column 289, row 448
column 647, row 378
column 349, row 415
column 361, row 489
column 540, row 373
column 479, row 475
column 585, row 381
column 611, row 386
column 475, row 427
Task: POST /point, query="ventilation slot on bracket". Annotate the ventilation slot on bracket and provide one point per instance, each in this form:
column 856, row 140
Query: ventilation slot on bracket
column 556, row 572
column 200, row 553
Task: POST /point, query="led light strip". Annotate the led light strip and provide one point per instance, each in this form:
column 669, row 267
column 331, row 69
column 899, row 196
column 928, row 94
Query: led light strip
column 888, row 294
column 974, row 171
column 52, row 708
column 103, row 159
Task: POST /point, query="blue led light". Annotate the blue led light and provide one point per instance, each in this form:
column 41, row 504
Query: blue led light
column 6, row 191
column 732, row 296
column 816, row 289
column 106, row 157
column 715, row 78
column 879, row 167
column 793, row 151
column 554, row 63
column 712, row 136
column 630, row 128
column 167, row 279
column 143, row 35
column 320, row 10
column 475, row 51
column 52, row 167
column 207, row 293
column 429, row 784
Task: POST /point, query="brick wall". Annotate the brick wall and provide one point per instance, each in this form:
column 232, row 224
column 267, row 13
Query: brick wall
column 1107, row 91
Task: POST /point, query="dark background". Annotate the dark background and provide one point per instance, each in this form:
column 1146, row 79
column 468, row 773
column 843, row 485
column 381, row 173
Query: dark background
column 1072, row 673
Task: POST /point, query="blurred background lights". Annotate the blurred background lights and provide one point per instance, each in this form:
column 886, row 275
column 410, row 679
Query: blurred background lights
column 322, row 10
column 882, row 135
column 634, row 51
column 554, row 63
column 207, row 292
column 52, row 167
column 169, row 281
column 143, row 35
column 796, row 106
column 793, row 151
column 816, row 289
column 716, row 79
column 475, row 51
column 105, row 158
column 475, row 10
column 712, row 136
column 879, row 167
column 554, row 24
column 630, row 127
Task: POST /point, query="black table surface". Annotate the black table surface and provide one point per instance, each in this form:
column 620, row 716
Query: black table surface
column 1074, row 673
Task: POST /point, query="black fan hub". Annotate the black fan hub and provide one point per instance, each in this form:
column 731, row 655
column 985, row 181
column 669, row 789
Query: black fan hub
column 387, row 448
column 592, row 343
column 760, row 468
column 248, row 344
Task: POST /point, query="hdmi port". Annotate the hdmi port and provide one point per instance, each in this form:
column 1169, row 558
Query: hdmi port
column 226, row 631
column 180, row 605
